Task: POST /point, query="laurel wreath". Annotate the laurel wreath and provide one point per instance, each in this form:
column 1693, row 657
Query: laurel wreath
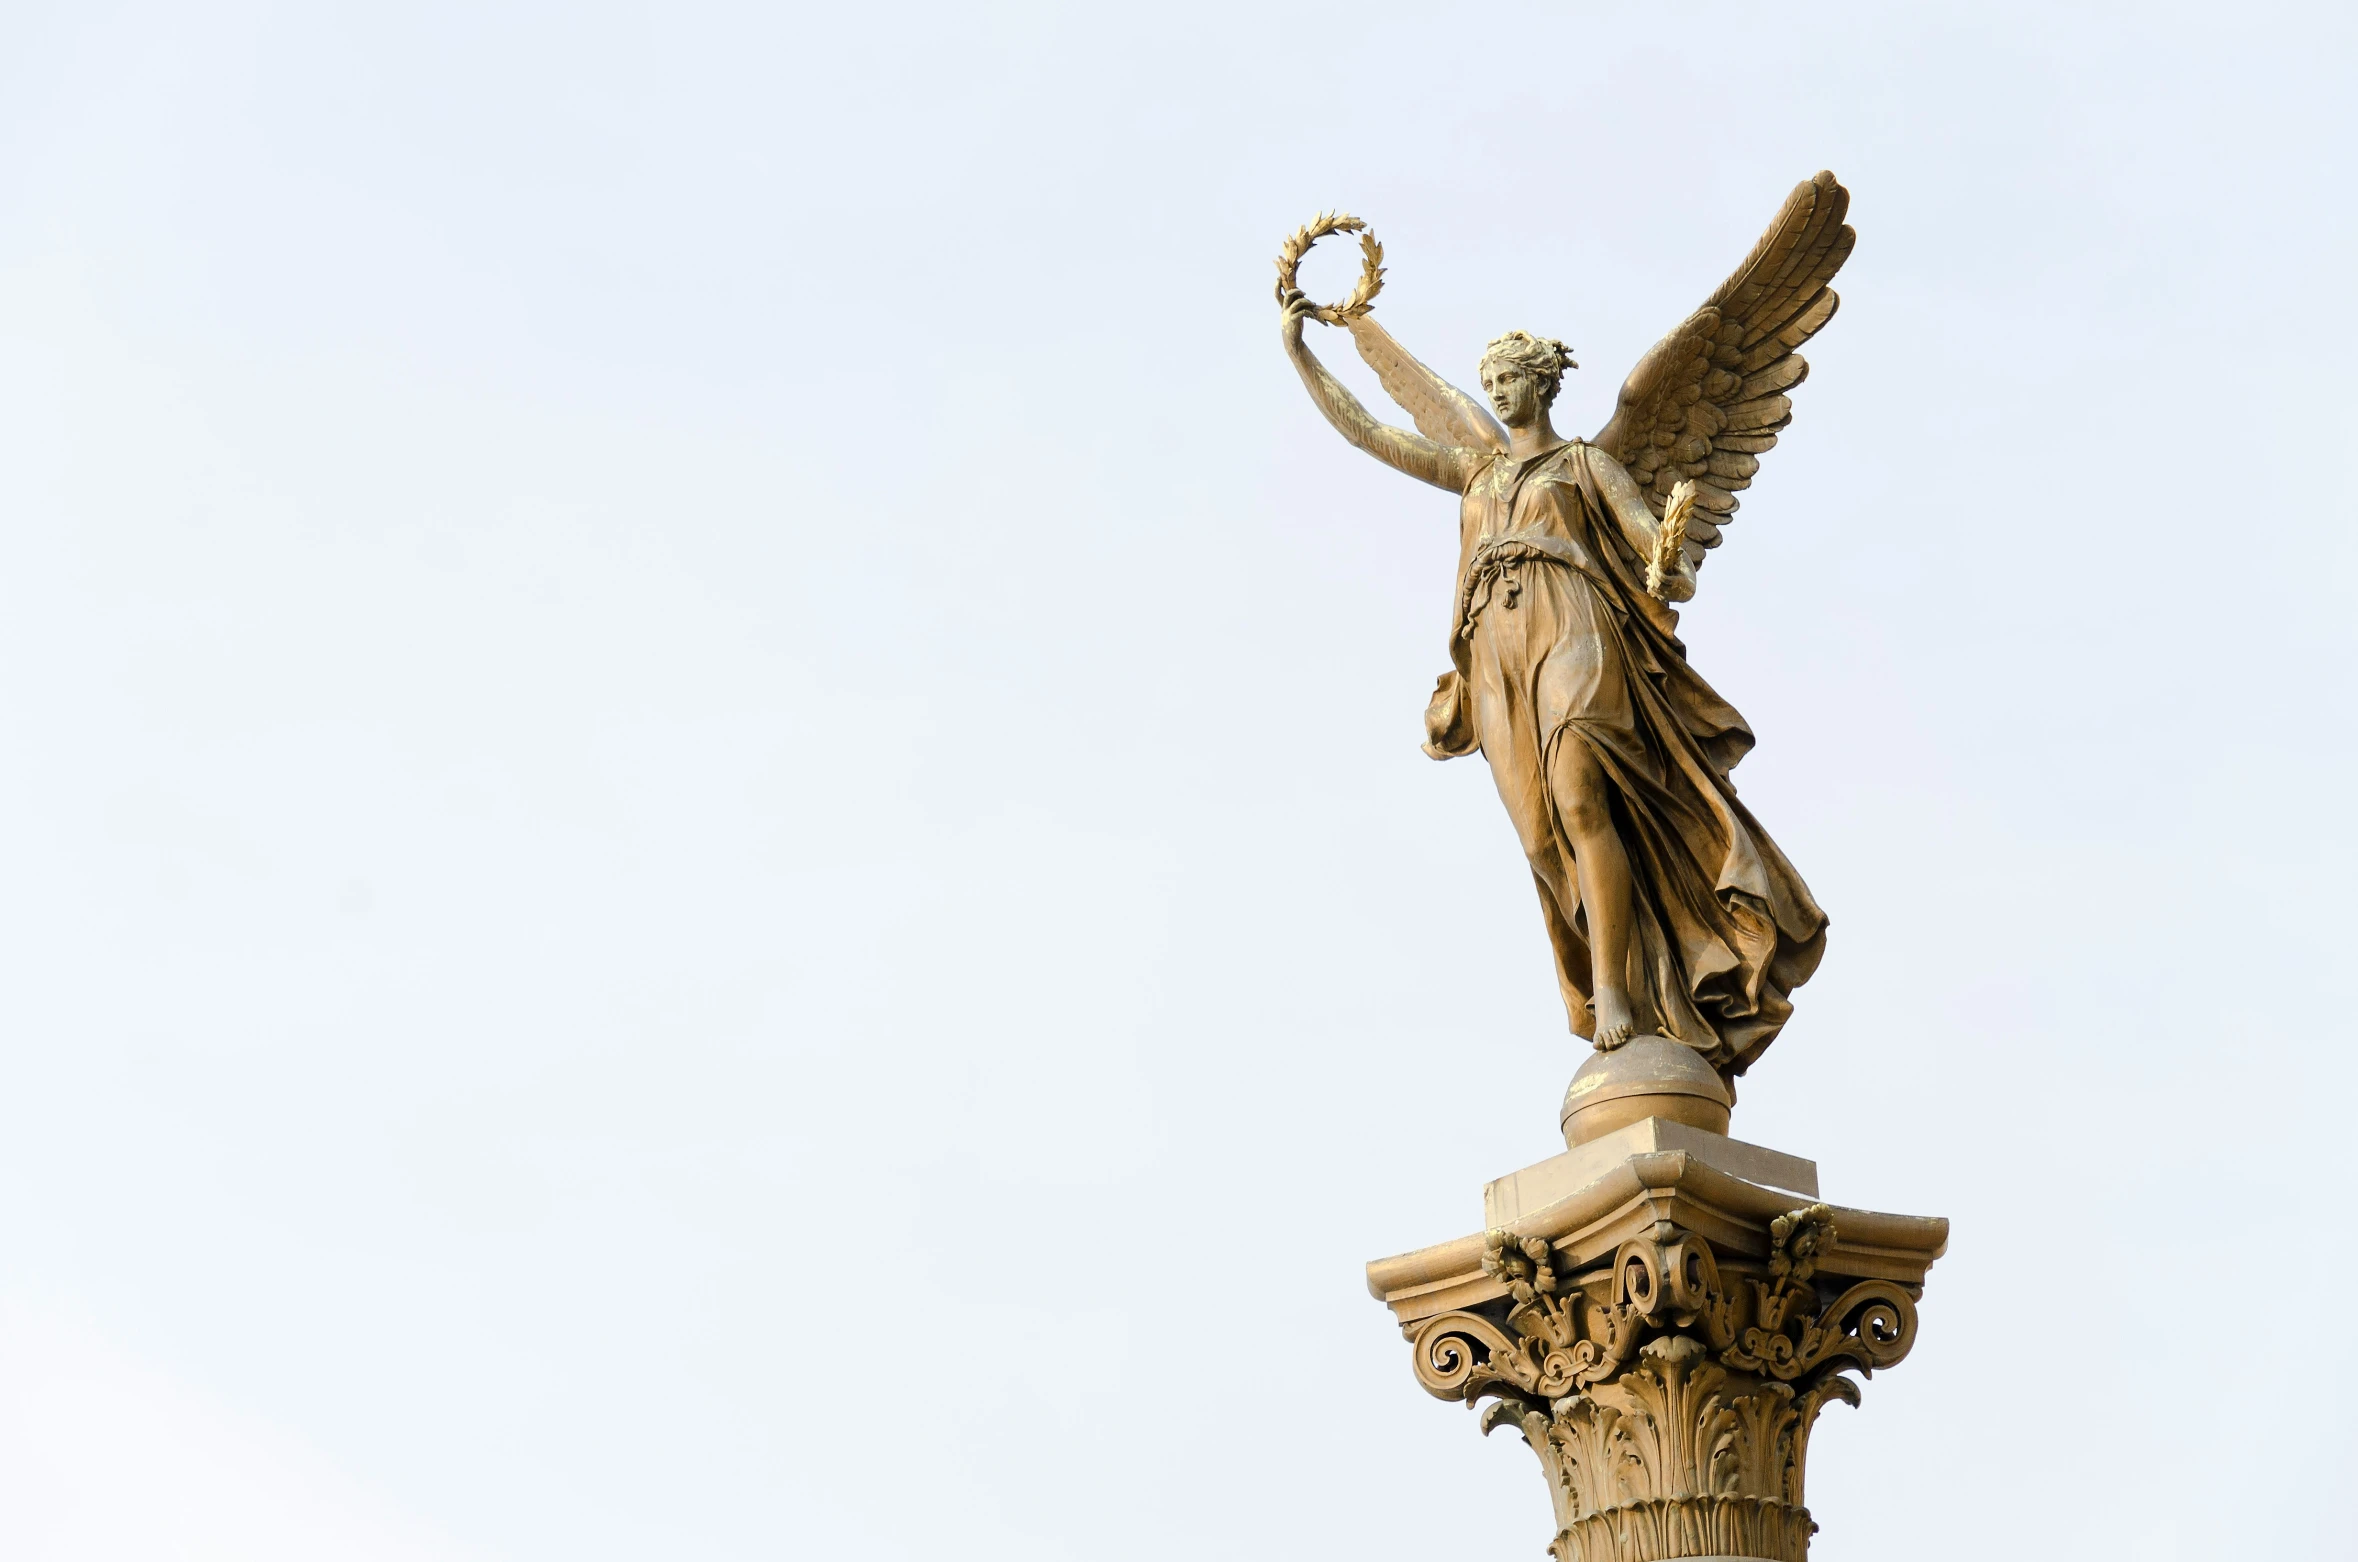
column 1371, row 264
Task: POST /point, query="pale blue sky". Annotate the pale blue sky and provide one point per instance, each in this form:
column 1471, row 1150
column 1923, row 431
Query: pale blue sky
column 716, row 849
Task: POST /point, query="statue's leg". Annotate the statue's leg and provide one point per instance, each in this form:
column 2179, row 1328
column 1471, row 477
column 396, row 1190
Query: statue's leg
column 1583, row 799
column 1511, row 748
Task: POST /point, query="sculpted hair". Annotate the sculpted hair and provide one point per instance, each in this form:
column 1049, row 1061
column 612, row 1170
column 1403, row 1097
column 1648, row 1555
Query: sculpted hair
column 1542, row 356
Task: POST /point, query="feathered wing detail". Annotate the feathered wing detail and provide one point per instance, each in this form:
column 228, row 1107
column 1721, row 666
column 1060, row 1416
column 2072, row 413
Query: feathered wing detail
column 1708, row 400
column 1443, row 413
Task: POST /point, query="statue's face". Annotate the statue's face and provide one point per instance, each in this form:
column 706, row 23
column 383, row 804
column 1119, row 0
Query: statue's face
column 1514, row 392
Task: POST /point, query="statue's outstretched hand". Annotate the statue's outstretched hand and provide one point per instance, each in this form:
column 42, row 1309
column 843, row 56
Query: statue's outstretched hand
column 1295, row 306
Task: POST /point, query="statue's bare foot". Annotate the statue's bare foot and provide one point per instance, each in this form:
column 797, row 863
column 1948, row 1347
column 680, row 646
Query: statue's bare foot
column 1615, row 1024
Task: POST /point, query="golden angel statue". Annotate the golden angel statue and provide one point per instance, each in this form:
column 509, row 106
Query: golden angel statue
column 1671, row 911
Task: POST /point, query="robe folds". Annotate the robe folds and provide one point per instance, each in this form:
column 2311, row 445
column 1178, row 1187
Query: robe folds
column 1556, row 641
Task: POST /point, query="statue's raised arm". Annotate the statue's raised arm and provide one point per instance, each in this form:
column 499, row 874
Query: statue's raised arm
column 1455, row 435
column 1443, row 465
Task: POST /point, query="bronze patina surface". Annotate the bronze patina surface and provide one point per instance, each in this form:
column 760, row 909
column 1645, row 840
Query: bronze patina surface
column 1671, row 911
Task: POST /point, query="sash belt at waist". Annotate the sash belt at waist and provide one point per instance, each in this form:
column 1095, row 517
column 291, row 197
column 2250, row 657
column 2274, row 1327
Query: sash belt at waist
column 1491, row 571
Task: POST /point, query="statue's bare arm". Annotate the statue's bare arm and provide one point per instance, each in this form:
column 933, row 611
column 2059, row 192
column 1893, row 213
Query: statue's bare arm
column 1444, row 466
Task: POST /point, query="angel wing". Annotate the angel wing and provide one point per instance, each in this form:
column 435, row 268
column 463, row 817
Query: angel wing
column 1708, row 400
column 1443, row 413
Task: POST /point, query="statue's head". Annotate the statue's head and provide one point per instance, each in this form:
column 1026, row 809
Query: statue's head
column 1522, row 373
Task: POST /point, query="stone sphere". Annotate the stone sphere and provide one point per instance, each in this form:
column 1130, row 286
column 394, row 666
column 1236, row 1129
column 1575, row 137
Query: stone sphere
column 1646, row 1076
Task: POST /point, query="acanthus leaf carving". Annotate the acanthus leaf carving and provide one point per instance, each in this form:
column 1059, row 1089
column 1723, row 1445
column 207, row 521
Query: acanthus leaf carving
column 1670, row 1405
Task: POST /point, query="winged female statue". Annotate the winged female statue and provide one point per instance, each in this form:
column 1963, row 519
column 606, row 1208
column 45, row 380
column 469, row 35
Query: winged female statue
column 1670, row 910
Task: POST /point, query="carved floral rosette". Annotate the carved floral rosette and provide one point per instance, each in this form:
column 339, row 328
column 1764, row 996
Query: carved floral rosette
column 1670, row 1405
